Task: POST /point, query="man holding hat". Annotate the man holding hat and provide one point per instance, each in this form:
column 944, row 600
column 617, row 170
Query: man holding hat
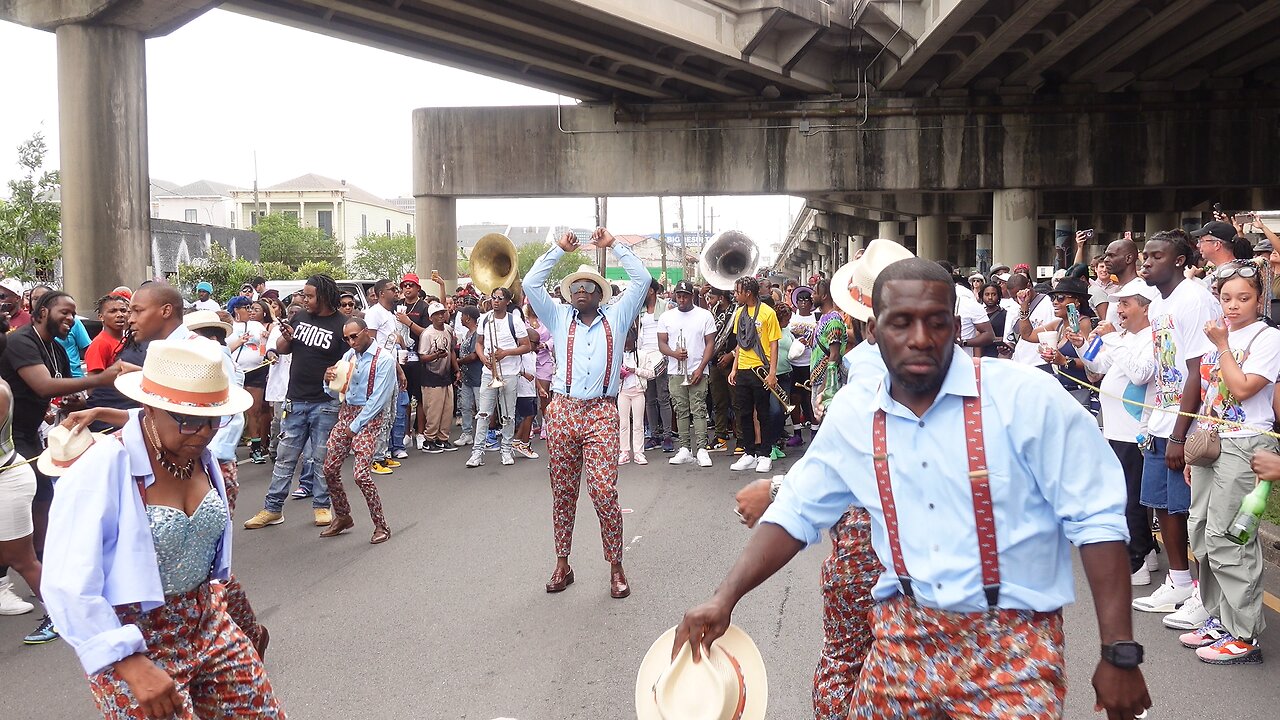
column 686, row 336
column 204, row 297
column 582, row 419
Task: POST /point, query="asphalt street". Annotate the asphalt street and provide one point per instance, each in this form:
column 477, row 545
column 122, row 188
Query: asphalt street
column 449, row 619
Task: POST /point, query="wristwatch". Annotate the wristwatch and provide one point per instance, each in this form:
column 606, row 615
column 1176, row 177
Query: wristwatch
column 1126, row 654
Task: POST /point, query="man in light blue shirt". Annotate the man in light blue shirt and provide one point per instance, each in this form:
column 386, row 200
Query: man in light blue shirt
column 360, row 417
column 582, row 419
column 974, row 487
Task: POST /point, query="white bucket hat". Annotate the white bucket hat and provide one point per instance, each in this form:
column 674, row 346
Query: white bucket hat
column 205, row 319
column 65, row 447
column 729, row 683
column 851, row 285
column 586, row 272
column 186, row 377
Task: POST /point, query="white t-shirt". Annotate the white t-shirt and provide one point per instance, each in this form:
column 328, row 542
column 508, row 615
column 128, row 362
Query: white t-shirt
column 1177, row 332
column 803, row 326
column 648, row 339
column 695, row 326
column 1129, row 364
column 249, row 355
column 1264, row 360
column 971, row 313
column 528, row 364
column 1028, row 353
column 278, row 375
column 383, row 322
column 632, row 381
column 497, row 334
column 209, row 304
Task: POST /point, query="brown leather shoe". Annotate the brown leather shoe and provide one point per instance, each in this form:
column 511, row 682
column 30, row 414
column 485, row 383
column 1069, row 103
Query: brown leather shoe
column 560, row 580
column 380, row 536
column 264, row 639
column 338, row 525
column 618, row 587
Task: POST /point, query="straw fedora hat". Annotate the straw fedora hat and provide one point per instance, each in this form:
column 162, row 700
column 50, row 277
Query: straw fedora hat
column 205, row 319
column 65, row 447
column 852, row 283
column 342, row 372
column 729, row 683
column 186, row 377
column 586, row 272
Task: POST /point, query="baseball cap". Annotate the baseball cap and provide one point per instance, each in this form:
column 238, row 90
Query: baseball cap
column 205, row 287
column 434, row 308
column 13, row 285
column 1137, row 288
column 1220, row 230
column 684, row 286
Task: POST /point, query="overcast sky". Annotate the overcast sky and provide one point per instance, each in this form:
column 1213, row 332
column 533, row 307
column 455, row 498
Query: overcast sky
column 226, row 85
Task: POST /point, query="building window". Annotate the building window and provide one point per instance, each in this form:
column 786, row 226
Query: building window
column 388, row 226
column 408, row 230
column 233, row 218
column 290, row 214
column 189, row 215
column 254, row 217
column 364, row 225
column 324, row 220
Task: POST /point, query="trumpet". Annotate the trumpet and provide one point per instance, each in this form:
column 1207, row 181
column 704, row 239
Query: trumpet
column 777, row 390
column 497, row 364
column 682, row 366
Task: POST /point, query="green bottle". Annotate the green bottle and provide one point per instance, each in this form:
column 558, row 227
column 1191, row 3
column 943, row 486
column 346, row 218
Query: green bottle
column 1246, row 522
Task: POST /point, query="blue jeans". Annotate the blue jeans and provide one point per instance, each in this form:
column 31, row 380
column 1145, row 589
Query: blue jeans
column 402, row 419
column 303, row 422
column 495, row 400
column 307, row 476
column 467, row 408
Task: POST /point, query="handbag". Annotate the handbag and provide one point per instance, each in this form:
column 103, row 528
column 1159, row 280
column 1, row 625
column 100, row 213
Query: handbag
column 1205, row 444
column 798, row 351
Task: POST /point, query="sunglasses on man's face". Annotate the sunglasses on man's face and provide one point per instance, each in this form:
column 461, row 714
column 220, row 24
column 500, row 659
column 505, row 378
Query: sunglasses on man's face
column 193, row 424
column 353, row 336
column 347, row 303
column 585, row 286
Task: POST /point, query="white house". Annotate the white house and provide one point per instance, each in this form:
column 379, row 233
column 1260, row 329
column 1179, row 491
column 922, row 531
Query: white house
column 204, row 202
column 344, row 211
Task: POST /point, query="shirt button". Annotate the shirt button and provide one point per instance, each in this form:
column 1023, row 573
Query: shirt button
column 937, row 548
column 930, row 506
column 921, row 423
column 939, row 586
column 924, row 464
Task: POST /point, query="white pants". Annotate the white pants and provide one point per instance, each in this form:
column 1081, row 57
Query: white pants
column 631, row 421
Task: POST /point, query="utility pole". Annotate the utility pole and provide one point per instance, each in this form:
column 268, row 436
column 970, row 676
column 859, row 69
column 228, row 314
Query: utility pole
column 662, row 235
column 602, row 220
column 684, row 250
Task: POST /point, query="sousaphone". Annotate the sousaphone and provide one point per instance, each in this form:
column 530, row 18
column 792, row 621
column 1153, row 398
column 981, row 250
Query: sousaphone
column 731, row 255
column 494, row 264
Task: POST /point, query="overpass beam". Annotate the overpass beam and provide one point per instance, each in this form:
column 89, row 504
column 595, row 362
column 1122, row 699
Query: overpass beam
column 889, row 231
column 931, row 237
column 102, row 134
column 435, row 227
column 1014, row 227
column 1155, row 222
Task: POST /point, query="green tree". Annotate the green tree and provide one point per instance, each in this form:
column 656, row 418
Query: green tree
column 219, row 269
column 284, row 240
column 527, row 255
column 384, row 256
column 275, row 270
column 320, row 267
column 30, row 220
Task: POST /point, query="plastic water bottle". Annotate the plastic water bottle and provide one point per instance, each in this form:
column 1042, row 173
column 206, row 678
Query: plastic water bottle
column 1249, row 515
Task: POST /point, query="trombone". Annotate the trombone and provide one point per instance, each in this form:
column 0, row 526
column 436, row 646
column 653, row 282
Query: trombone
column 496, row 370
column 777, row 390
column 682, row 366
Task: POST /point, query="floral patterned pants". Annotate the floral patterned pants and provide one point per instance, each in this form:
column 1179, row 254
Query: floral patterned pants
column 584, row 433
column 847, row 579
column 238, row 606
column 215, row 668
column 964, row 666
column 341, row 442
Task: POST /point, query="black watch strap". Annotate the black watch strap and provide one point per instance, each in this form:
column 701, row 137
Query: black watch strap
column 1126, row 654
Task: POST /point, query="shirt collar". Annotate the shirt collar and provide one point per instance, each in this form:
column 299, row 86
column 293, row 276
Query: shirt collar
column 136, row 447
column 960, row 381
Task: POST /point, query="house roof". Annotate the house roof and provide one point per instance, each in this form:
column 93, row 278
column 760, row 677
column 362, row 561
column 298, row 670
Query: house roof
column 199, row 188
column 312, row 181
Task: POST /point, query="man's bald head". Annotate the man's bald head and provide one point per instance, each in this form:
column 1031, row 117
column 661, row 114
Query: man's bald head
column 1121, row 258
column 156, row 311
column 1017, row 283
column 160, row 294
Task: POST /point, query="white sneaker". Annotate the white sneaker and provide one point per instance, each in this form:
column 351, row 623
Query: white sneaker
column 463, row 440
column 639, row 458
column 508, row 458
column 764, row 464
column 10, row 603
column 1165, row 599
column 1153, row 561
column 746, row 462
column 683, row 457
column 476, row 459
column 1188, row 617
column 421, row 440
column 704, row 458
column 1140, row 577
column 400, row 455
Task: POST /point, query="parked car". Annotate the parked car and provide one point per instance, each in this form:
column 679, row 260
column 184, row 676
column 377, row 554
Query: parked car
column 359, row 288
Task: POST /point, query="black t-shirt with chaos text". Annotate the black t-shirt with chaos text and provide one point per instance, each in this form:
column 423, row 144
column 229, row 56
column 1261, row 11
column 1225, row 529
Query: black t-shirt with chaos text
column 317, row 344
column 25, row 349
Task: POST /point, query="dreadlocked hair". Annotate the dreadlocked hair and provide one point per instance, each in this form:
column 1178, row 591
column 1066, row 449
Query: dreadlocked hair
column 46, row 300
column 1181, row 243
column 102, row 301
column 326, row 290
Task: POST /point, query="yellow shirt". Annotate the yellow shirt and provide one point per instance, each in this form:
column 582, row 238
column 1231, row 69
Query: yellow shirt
column 769, row 331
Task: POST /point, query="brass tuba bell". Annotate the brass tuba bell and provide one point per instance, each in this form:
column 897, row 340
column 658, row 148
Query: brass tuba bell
column 494, row 264
column 729, row 256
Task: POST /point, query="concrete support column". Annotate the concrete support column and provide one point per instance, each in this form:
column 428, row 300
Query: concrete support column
column 982, row 258
column 889, row 230
column 436, row 237
column 1014, row 227
column 102, row 134
column 1155, row 222
column 931, row 237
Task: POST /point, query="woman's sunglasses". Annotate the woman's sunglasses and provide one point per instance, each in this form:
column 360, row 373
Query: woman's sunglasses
column 193, row 424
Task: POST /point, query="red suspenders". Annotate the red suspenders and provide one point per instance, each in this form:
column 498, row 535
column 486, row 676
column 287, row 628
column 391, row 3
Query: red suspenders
column 979, row 486
column 568, row 362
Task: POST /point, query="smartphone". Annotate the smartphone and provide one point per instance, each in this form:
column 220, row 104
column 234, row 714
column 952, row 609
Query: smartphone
column 1244, row 217
column 1217, row 207
column 1073, row 318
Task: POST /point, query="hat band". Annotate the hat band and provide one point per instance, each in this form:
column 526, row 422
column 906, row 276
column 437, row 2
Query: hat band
column 65, row 463
column 858, row 296
column 184, row 397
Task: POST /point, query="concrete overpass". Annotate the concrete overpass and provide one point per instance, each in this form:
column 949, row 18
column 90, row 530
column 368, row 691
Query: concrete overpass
column 944, row 123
